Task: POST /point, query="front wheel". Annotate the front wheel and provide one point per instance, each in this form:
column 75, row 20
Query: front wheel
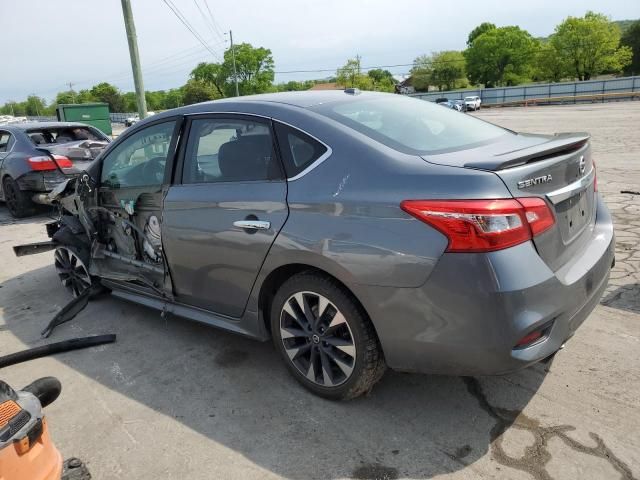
column 324, row 337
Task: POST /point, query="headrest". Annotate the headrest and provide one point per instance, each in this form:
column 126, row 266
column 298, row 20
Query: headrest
column 246, row 158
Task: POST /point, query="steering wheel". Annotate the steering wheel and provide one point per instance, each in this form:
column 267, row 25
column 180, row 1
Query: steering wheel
column 153, row 169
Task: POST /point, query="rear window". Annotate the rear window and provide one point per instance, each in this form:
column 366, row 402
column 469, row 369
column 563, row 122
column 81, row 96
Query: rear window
column 411, row 125
column 298, row 149
column 59, row 135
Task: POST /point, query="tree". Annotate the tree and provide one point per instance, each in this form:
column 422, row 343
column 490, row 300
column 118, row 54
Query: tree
column 448, row 70
column 631, row 38
column 35, row 106
column 548, row 66
column 501, row 56
column 383, row 80
column 479, row 30
column 174, row 98
column 254, row 66
column 349, row 74
column 590, row 45
column 196, row 91
column 421, row 73
column 66, row 97
column 215, row 75
column 107, row 93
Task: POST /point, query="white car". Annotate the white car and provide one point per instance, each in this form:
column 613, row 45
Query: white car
column 131, row 120
column 472, row 103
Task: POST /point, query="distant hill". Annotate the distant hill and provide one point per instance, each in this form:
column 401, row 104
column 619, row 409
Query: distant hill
column 623, row 24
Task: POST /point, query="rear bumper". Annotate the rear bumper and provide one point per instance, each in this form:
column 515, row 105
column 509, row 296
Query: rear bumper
column 41, row 183
column 474, row 308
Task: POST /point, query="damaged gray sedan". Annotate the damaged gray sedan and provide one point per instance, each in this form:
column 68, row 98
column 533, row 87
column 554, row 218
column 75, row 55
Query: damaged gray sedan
column 357, row 230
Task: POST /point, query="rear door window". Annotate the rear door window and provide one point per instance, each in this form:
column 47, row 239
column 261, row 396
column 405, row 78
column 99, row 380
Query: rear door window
column 298, row 149
column 230, row 150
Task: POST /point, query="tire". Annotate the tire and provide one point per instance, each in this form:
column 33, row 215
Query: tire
column 337, row 356
column 72, row 267
column 18, row 202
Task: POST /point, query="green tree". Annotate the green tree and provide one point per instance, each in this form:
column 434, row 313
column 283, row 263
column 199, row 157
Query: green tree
column 85, row 96
column 547, row 65
column 215, row 75
column 501, row 56
column 479, row 30
column 254, row 66
column 349, row 74
column 174, row 98
column 107, row 93
column 448, row 70
column 66, row 97
column 35, row 106
column 590, row 45
column 383, row 80
column 196, row 91
column 631, row 39
column 421, row 73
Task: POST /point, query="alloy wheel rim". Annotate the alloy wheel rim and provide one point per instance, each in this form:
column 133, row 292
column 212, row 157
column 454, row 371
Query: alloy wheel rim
column 72, row 271
column 317, row 339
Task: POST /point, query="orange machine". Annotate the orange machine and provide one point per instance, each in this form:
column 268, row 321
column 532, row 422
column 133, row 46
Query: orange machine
column 26, row 450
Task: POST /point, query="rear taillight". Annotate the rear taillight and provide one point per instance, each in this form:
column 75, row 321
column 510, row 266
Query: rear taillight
column 45, row 163
column 483, row 225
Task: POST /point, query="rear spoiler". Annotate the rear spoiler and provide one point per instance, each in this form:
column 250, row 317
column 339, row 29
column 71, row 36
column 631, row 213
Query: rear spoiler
column 559, row 144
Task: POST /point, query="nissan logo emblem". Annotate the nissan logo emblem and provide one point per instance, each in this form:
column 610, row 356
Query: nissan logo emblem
column 582, row 165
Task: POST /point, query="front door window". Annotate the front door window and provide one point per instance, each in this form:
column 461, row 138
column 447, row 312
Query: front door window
column 139, row 160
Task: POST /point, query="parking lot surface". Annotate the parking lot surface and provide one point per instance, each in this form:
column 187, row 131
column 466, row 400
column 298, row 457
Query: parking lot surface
column 174, row 399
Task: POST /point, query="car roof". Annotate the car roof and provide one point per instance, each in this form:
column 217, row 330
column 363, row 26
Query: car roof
column 39, row 125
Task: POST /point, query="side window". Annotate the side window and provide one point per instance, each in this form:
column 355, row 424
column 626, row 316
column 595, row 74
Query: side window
column 6, row 142
column 230, row 150
column 140, row 159
column 298, row 149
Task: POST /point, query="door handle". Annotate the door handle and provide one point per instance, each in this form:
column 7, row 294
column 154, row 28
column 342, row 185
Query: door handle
column 252, row 224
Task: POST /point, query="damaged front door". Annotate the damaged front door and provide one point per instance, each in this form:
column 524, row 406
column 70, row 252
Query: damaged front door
column 132, row 184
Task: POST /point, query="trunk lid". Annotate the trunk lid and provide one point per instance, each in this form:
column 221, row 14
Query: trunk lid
column 558, row 168
column 81, row 153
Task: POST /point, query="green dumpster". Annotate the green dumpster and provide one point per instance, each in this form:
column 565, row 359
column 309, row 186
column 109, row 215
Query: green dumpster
column 95, row 114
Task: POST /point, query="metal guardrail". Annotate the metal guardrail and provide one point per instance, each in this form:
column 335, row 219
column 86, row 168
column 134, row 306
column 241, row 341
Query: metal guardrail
column 579, row 91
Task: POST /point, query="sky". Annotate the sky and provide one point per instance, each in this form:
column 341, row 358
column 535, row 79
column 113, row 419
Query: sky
column 49, row 43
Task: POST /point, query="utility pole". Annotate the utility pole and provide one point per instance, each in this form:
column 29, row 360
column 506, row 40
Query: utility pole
column 135, row 58
column 233, row 56
column 72, row 92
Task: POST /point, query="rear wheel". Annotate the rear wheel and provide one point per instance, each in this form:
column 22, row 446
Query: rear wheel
column 326, row 341
column 18, row 202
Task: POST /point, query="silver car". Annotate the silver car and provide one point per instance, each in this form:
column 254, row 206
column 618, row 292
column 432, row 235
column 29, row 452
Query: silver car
column 356, row 230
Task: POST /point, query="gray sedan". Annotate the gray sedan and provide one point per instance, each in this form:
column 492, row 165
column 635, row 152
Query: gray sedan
column 358, row 231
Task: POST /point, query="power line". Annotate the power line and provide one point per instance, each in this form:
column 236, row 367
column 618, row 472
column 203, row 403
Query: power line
column 213, row 20
column 186, row 23
column 204, row 17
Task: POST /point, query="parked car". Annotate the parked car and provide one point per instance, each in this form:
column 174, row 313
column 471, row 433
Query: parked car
column 472, row 103
column 356, row 230
column 129, row 121
column 442, row 100
column 451, row 104
column 459, row 105
column 36, row 157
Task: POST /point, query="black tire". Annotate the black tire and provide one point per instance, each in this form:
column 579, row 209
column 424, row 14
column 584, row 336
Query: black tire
column 18, row 202
column 368, row 365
